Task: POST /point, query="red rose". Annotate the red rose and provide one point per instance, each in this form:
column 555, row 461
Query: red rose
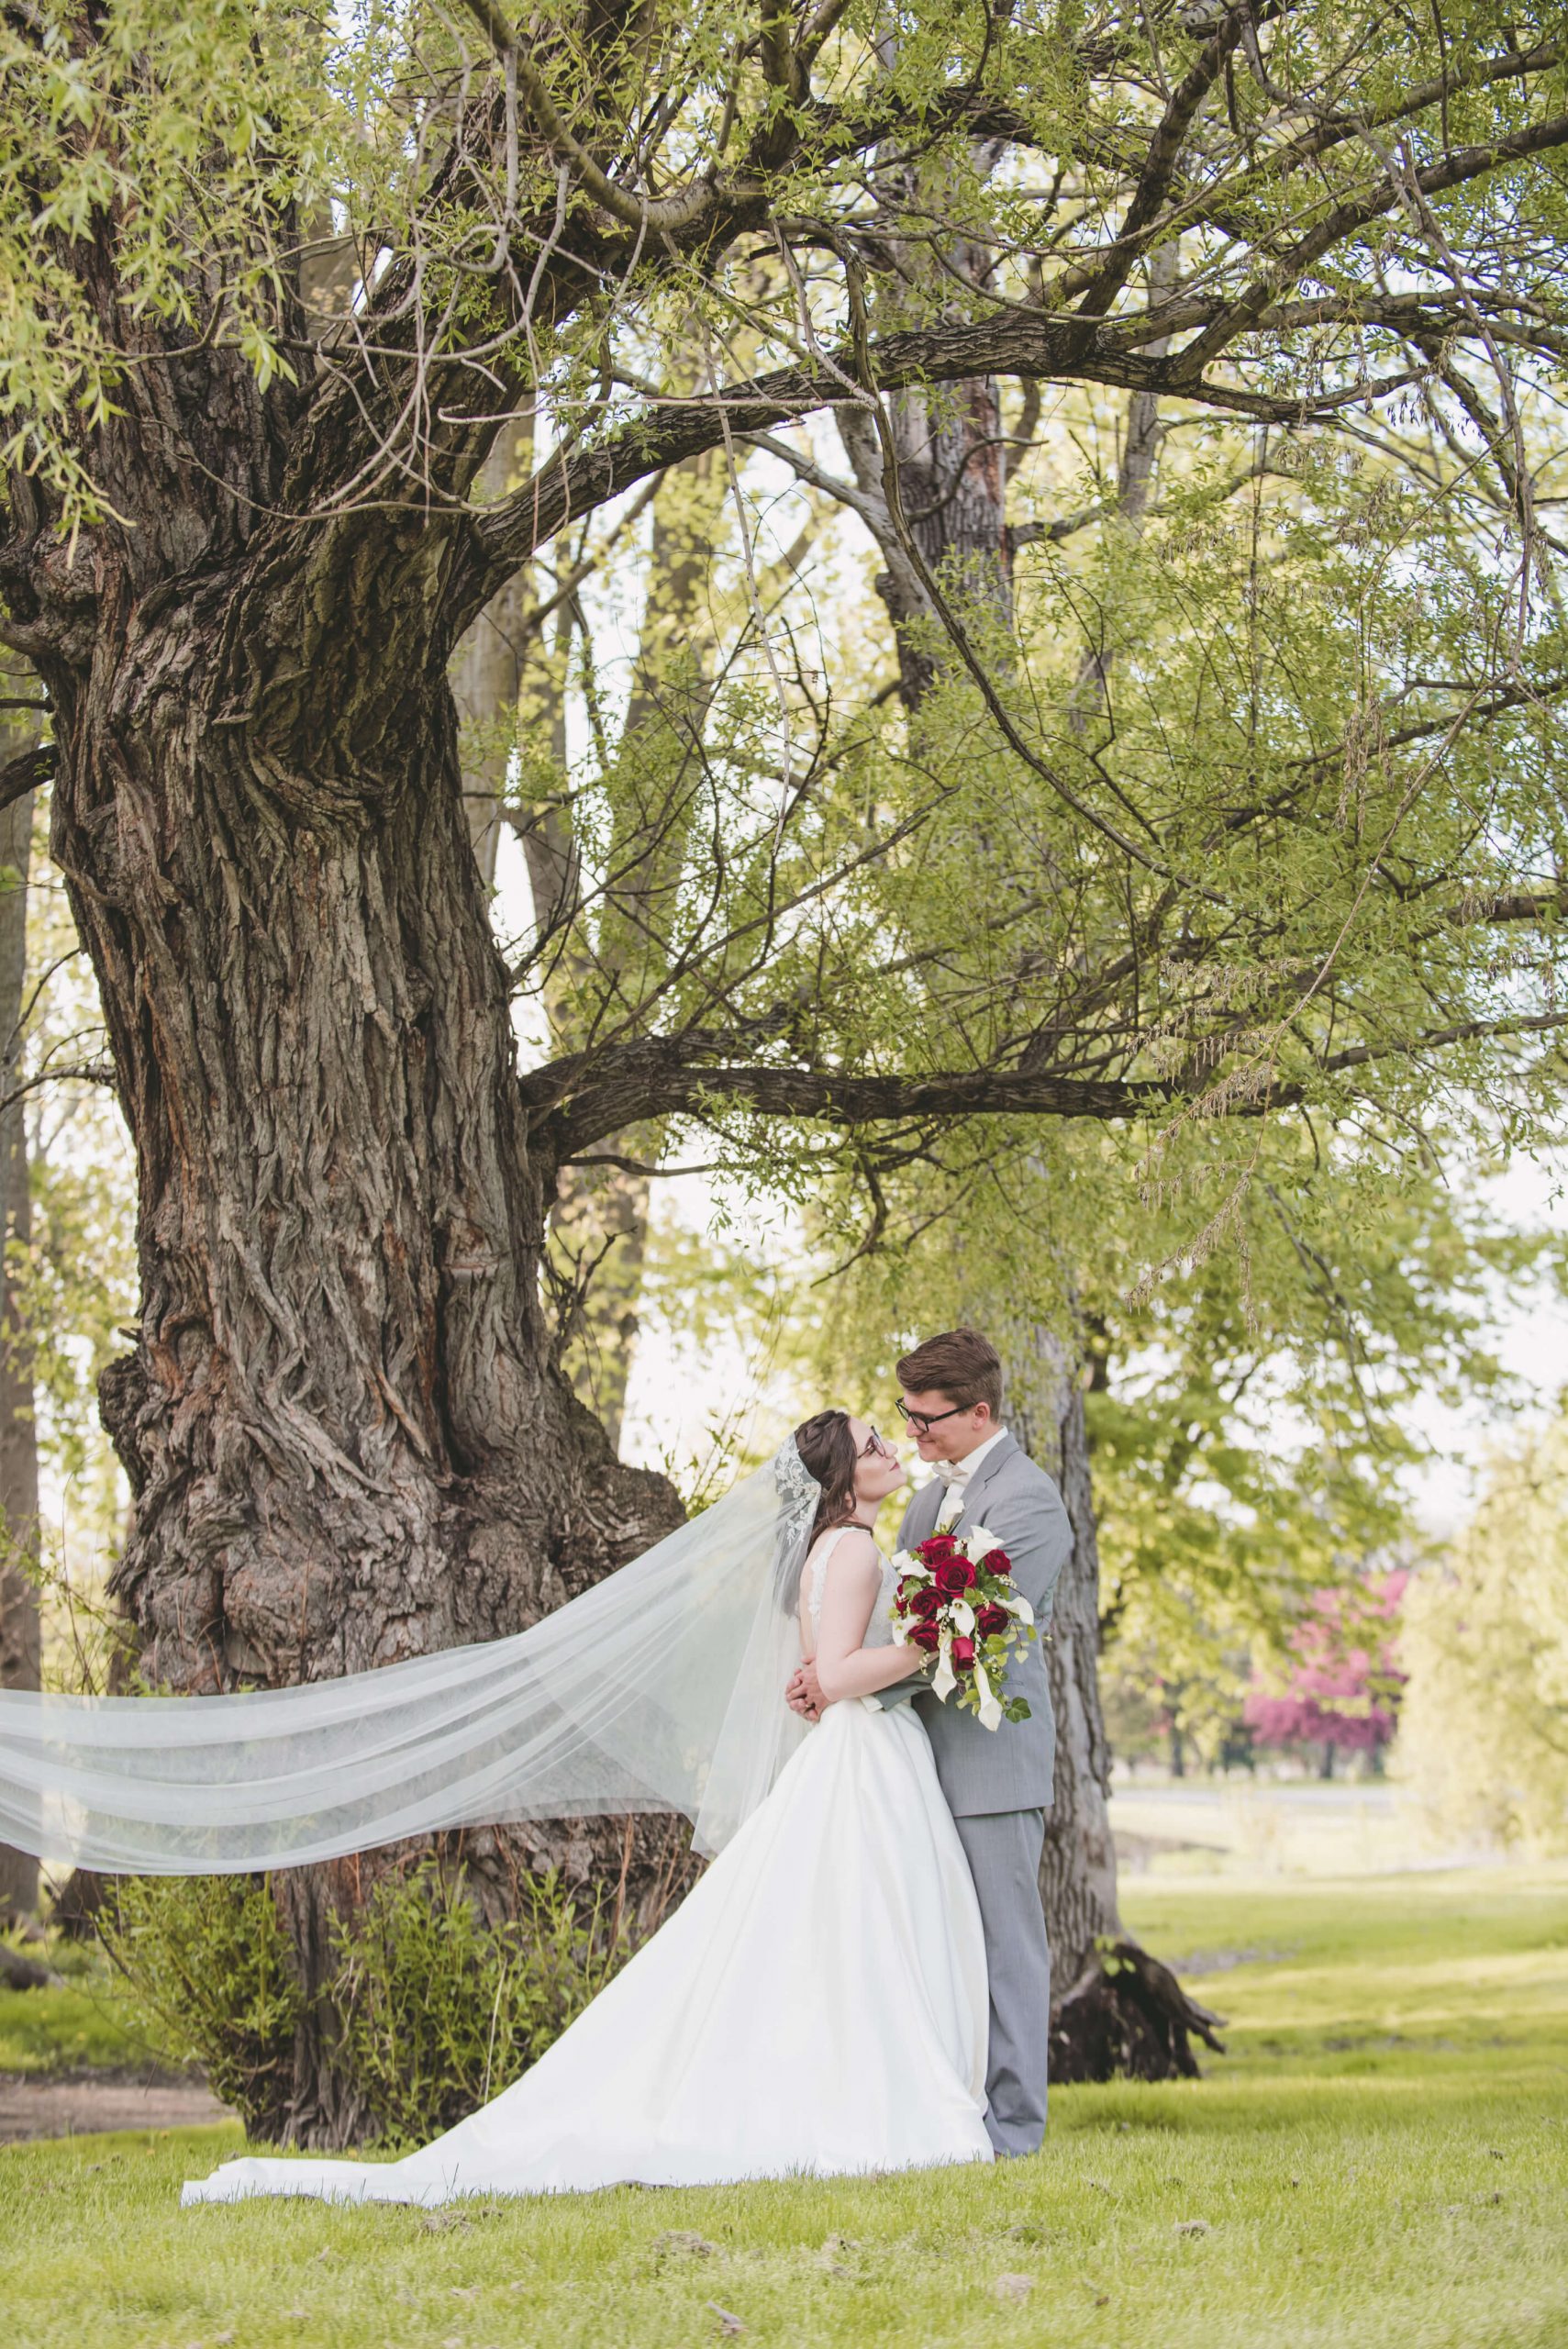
column 927, row 1636
column 963, row 1652
column 935, row 1546
column 954, row 1575
column 996, row 1562
column 990, row 1620
column 923, row 1601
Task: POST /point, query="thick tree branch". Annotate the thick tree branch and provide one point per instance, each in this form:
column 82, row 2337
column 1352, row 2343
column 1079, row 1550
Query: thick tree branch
column 26, row 771
column 1095, row 288
column 574, row 1105
column 1346, row 220
column 576, row 1102
column 674, row 216
column 1027, row 345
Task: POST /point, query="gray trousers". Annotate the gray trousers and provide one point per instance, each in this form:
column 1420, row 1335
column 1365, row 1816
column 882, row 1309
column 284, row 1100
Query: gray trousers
column 1003, row 1848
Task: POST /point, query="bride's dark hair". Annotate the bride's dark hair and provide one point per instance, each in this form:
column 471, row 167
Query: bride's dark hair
column 828, row 1448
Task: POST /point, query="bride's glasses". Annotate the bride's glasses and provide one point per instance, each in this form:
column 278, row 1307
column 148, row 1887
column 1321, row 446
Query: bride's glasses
column 876, row 1447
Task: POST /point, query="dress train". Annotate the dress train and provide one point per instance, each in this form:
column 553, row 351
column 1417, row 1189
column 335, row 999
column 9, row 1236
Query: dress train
column 817, row 2005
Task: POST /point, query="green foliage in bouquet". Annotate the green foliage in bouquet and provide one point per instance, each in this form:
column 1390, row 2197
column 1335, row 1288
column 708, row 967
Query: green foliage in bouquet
column 956, row 1603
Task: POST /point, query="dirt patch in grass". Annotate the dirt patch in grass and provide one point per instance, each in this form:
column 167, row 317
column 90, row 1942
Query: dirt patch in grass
column 80, row 2103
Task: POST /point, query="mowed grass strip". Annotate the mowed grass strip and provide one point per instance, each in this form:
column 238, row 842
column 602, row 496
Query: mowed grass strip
column 78, row 2024
column 1383, row 2162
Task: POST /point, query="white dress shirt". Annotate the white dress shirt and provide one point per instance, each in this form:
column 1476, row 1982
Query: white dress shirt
column 957, row 1475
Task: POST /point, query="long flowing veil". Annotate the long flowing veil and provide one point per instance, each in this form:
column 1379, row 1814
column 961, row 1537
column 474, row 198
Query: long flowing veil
column 660, row 1688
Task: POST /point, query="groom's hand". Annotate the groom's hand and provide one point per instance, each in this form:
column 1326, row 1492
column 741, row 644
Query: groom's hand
column 804, row 1695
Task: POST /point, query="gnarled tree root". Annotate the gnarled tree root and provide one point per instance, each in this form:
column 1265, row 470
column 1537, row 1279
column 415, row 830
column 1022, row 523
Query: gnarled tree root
column 19, row 1973
column 1127, row 2017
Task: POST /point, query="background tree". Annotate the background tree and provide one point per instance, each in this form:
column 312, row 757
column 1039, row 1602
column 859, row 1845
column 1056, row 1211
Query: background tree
column 1342, row 1694
column 20, row 1636
column 64, row 1291
column 1484, row 1730
column 490, row 664
column 601, row 1215
column 242, row 546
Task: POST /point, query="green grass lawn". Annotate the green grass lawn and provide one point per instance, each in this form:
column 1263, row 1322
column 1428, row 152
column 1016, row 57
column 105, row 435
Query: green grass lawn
column 1381, row 2159
column 78, row 2024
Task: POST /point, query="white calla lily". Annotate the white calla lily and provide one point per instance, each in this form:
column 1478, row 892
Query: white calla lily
column 990, row 1710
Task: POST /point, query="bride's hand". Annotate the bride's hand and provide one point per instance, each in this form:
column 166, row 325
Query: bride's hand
column 804, row 1695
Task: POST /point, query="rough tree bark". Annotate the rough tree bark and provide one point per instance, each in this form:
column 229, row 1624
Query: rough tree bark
column 20, row 1646
column 341, row 1422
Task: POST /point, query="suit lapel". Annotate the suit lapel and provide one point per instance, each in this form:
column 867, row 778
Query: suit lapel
column 927, row 1505
column 975, row 1490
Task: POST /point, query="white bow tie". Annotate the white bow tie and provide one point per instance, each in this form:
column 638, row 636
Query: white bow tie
column 952, row 1503
column 952, row 1472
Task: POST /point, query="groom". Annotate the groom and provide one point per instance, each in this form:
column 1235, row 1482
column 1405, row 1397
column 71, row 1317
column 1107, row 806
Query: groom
column 997, row 1783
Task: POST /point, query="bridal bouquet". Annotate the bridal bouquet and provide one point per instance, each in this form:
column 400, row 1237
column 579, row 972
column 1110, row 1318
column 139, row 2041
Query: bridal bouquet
column 955, row 1599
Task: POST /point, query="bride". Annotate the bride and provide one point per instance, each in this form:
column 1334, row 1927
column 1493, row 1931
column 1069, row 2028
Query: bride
column 818, row 2002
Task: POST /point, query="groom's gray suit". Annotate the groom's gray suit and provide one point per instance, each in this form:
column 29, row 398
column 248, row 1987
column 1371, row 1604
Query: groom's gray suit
column 998, row 1783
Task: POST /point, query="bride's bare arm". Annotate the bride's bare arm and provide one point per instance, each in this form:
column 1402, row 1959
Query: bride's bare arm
column 845, row 1666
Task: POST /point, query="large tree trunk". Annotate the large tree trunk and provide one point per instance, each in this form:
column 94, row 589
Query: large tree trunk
column 344, row 1441
column 20, row 1646
column 343, row 1429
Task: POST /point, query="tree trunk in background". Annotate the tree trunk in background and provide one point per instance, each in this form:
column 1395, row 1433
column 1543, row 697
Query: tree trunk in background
column 602, row 1227
column 599, row 1225
column 20, row 1650
column 1114, row 2009
column 1044, row 1408
column 486, row 670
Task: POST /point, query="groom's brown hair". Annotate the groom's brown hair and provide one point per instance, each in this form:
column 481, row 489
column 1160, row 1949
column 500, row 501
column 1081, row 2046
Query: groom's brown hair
column 960, row 1364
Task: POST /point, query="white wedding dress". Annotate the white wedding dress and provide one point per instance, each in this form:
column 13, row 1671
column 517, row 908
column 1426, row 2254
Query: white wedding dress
column 817, row 2005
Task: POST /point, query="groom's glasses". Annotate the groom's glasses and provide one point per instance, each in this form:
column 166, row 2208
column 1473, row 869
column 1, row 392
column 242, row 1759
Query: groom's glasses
column 921, row 1420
